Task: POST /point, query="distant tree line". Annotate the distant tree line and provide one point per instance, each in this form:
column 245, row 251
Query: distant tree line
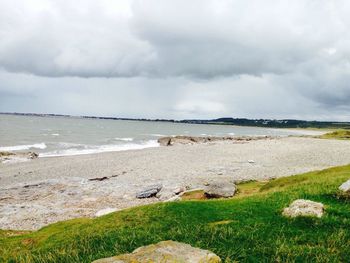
column 271, row 123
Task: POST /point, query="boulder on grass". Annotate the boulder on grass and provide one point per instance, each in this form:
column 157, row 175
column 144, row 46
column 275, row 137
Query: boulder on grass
column 303, row 207
column 165, row 252
column 150, row 191
column 193, row 194
column 345, row 187
column 220, row 190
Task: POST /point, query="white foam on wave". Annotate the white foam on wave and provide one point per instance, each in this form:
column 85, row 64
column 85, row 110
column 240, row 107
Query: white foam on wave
column 69, row 145
column 24, row 147
column 101, row 148
column 124, row 139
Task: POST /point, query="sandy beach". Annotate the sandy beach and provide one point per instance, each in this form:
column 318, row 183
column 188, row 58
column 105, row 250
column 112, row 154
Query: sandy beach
column 46, row 190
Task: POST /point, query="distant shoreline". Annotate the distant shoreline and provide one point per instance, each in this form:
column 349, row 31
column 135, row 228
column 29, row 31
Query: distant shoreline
column 243, row 122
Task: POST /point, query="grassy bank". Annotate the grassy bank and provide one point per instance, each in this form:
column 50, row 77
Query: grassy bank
column 339, row 134
column 247, row 228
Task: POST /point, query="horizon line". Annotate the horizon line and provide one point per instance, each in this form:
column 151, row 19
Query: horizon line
column 162, row 119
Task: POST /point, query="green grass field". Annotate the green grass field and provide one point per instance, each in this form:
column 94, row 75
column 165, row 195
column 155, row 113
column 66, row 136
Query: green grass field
column 246, row 228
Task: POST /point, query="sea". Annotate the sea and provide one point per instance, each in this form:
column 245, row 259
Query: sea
column 61, row 136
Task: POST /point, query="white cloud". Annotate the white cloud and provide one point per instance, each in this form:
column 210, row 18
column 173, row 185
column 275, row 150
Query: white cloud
column 177, row 58
column 168, row 38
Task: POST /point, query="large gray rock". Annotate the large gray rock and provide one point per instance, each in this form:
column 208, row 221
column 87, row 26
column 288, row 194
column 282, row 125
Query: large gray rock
column 303, row 207
column 220, row 189
column 345, row 187
column 150, row 191
column 169, row 194
column 165, row 252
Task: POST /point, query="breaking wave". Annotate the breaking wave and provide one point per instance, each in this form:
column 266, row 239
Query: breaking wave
column 24, row 147
column 124, row 139
column 89, row 149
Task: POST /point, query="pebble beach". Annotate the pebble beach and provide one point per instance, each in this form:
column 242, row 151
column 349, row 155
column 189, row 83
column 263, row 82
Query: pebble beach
column 42, row 191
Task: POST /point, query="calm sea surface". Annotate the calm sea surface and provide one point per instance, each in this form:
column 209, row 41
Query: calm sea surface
column 58, row 136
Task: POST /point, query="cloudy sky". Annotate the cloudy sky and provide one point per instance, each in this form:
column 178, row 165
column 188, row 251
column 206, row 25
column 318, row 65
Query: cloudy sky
column 176, row 58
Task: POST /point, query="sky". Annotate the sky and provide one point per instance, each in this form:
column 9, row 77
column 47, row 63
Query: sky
column 176, row 59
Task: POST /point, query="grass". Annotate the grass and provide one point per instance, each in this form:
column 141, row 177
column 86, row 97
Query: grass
column 246, row 228
column 339, row 134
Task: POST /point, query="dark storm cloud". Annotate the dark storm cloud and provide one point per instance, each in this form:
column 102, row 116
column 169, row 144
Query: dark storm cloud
column 190, row 58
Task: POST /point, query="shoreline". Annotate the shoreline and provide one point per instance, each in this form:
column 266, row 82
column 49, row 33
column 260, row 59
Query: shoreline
column 151, row 143
column 50, row 189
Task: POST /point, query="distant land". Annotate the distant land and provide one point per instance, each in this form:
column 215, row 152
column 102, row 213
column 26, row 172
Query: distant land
column 271, row 123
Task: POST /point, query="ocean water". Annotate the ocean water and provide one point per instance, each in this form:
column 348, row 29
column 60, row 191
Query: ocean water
column 60, row 136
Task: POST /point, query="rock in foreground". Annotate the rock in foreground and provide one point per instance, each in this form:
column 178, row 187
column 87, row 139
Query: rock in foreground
column 149, row 191
column 345, row 187
column 165, row 252
column 303, row 207
column 220, row 190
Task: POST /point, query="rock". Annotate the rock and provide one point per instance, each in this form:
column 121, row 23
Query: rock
column 345, row 187
column 32, row 155
column 149, row 191
column 303, row 207
column 251, row 161
column 168, row 141
column 164, row 141
column 181, row 140
column 35, row 185
column 99, row 178
column 105, row 211
column 165, row 194
column 179, row 190
column 220, row 189
column 165, row 252
column 191, row 191
column 17, row 157
column 193, row 194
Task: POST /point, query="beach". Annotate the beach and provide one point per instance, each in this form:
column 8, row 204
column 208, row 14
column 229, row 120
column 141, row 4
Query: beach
column 47, row 190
